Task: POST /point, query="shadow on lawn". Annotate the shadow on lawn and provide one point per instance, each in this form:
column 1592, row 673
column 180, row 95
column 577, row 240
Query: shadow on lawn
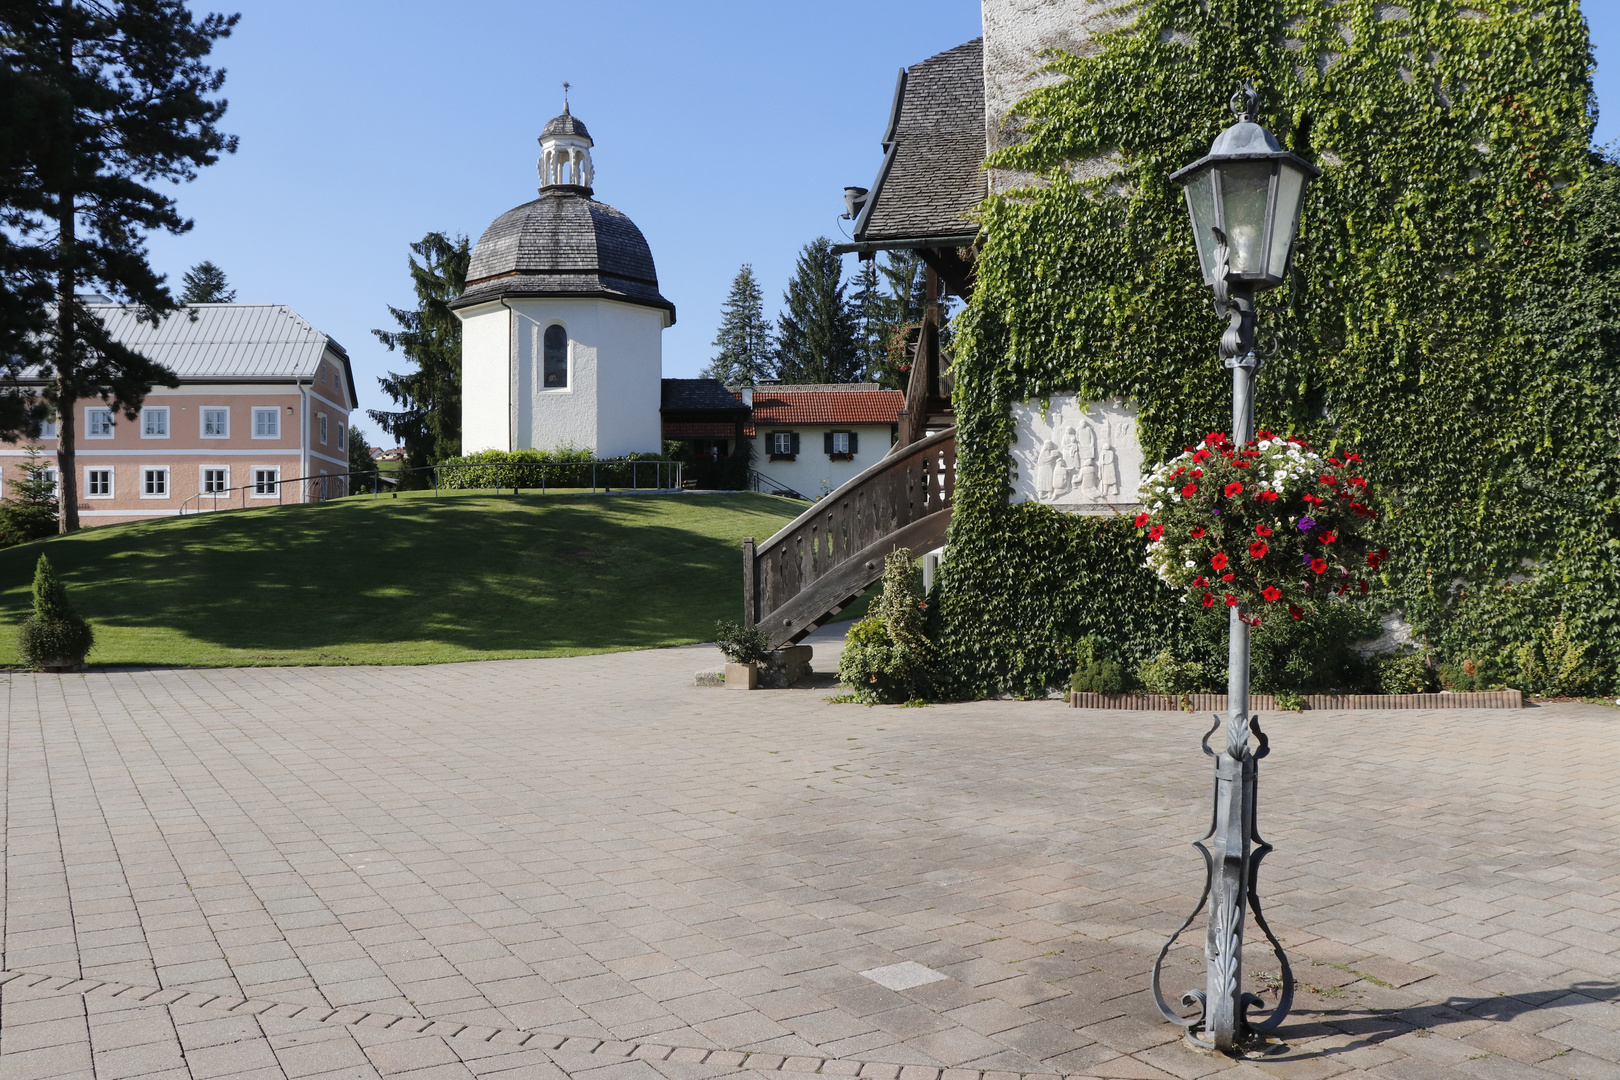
column 523, row 573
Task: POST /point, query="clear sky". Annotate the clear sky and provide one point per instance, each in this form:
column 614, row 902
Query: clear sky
column 726, row 130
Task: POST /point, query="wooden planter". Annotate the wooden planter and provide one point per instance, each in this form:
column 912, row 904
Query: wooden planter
column 741, row 676
column 1216, row 703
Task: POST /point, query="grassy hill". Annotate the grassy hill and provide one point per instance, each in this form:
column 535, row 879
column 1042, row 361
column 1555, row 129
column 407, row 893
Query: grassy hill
column 404, row 581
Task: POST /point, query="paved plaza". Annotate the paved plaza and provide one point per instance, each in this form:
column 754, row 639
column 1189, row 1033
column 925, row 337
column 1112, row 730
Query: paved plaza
column 589, row 867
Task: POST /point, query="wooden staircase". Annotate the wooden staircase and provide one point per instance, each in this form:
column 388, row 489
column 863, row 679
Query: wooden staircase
column 828, row 555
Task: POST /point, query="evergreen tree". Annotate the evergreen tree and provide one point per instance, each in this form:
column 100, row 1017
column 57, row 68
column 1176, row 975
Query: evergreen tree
column 54, row 635
column 890, row 301
column 99, row 101
column 29, row 510
column 815, row 335
column 362, row 470
column 205, row 284
column 744, row 341
column 428, row 425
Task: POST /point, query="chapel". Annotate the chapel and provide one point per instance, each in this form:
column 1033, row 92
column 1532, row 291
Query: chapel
column 562, row 320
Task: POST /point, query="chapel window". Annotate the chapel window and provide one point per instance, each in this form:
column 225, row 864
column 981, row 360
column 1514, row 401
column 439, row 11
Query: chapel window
column 556, row 358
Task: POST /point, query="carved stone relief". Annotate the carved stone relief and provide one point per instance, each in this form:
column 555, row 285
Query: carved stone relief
column 1081, row 457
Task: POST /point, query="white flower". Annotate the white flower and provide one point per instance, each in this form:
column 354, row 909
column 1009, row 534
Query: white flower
column 1175, row 498
column 1190, row 564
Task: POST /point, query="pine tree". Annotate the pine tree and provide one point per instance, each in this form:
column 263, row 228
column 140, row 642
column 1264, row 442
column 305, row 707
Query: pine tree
column 29, row 511
column 205, row 284
column 744, row 341
column 429, row 424
column 889, row 301
column 54, row 635
column 362, row 469
column 815, row 335
column 99, row 102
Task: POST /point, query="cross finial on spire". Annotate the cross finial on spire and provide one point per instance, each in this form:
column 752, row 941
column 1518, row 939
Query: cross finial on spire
column 565, row 95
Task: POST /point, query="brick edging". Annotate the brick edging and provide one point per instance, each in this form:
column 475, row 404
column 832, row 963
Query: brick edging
column 1490, row 699
column 513, row 1037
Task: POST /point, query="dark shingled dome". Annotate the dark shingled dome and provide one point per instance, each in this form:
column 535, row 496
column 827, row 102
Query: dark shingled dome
column 565, row 124
column 563, row 244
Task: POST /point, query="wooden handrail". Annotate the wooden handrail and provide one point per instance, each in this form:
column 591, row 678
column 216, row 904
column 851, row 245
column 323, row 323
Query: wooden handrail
column 828, row 555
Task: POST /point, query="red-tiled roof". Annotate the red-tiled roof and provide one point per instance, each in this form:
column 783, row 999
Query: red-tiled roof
column 782, row 405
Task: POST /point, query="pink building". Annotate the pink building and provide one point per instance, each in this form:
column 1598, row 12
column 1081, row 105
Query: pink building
column 263, row 404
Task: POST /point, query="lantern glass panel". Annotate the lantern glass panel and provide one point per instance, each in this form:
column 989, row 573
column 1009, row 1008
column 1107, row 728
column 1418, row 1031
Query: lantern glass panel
column 1245, row 186
column 1201, row 205
column 1290, row 189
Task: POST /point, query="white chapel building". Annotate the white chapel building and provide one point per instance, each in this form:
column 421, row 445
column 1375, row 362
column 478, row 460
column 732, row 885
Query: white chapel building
column 562, row 321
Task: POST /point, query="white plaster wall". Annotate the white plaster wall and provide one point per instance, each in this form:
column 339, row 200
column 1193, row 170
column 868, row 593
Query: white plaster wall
column 1015, row 34
column 486, row 412
column 812, row 474
column 615, row 362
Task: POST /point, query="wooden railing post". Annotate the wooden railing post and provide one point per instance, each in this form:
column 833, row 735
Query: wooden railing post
column 750, row 582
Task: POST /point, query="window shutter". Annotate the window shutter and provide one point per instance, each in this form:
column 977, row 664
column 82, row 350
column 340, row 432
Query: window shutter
column 826, row 443
column 852, row 441
column 795, row 449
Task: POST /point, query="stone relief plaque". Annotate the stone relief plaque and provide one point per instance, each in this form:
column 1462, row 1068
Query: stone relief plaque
column 1077, row 456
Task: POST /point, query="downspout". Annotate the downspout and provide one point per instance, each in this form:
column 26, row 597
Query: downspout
column 303, row 438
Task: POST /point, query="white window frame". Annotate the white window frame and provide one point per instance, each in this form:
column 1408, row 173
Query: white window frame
column 47, row 429
column 274, row 482
column 836, row 436
column 342, row 434
column 320, row 421
column 202, row 479
column 202, row 421
column 260, row 411
column 89, row 487
column 148, row 415
column 90, row 412
column 168, row 482
column 54, row 475
column 786, row 446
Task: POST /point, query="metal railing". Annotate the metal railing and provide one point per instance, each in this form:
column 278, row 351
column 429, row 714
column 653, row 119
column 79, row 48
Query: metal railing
column 541, row 476
column 758, row 481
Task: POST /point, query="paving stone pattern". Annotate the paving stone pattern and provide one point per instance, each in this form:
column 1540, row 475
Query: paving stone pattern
column 550, row 868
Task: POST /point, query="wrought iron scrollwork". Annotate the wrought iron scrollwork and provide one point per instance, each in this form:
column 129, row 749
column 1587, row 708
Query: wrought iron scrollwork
column 1231, row 877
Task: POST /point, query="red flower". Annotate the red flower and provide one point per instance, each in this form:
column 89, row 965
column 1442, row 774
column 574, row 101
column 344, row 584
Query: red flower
column 1219, row 561
column 1155, row 532
column 1196, row 473
column 1294, row 610
column 1189, row 491
column 1271, row 593
column 1363, row 586
column 1199, row 582
column 1310, row 498
column 1262, row 434
column 1258, row 549
column 1267, row 496
column 1178, row 472
column 1330, row 480
column 1334, row 462
column 1358, row 481
column 1328, row 538
column 1197, row 531
column 1209, row 600
column 1142, row 519
column 1318, row 566
column 1234, row 488
column 1231, row 601
column 1262, row 530
column 1240, row 464
column 1228, row 576
column 1373, row 560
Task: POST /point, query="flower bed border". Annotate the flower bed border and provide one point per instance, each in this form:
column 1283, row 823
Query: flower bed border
column 1491, row 699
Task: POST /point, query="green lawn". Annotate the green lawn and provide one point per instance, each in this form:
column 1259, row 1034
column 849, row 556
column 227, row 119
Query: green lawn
column 407, row 580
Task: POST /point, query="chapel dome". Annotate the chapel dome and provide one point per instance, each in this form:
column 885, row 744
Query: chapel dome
column 565, row 124
column 565, row 243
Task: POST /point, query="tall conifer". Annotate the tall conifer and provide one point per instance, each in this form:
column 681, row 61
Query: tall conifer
column 744, row 341
column 815, row 334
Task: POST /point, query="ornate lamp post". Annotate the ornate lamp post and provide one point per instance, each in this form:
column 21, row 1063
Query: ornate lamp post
column 1244, row 198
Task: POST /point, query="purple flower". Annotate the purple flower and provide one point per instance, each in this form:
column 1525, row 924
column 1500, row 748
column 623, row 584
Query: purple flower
column 1306, row 524
column 1306, row 559
column 1215, row 510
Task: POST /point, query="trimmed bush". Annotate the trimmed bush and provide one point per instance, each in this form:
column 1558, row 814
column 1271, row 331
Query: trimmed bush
column 553, row 469
column 54, row 634
column 887, row 658
column 741, row 644
column 1094, row 674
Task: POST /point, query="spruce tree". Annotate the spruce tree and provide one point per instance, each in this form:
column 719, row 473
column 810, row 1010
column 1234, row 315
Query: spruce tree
column 815, row 334
column 362, row 469
column 99, row 102
column 205, row 284
column 29, row 510
column 744, row 341
column 428, row 425
column 53, row 635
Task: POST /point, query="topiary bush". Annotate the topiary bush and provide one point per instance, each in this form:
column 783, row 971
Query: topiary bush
column 887, row 657
column 54, row 635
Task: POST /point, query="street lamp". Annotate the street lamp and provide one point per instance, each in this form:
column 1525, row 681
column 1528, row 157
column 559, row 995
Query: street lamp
column 1244, row 199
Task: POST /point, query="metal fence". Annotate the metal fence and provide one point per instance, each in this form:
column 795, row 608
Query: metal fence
column 540, row 476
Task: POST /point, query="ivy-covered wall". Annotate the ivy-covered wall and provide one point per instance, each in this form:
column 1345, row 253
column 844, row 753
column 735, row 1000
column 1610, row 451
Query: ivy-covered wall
column 1434, row 323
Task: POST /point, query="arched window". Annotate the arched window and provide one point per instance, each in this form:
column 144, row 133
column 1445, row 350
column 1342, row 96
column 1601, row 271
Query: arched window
column 556, row 359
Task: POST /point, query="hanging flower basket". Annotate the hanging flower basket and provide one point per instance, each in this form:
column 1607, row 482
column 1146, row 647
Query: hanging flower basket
column 1269, row 526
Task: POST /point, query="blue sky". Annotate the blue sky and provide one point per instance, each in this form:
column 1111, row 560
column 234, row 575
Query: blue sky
column 726, row 130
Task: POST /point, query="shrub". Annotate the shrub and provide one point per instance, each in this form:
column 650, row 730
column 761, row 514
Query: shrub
column 1314, row 655
column 1290, row 701
column 54, row 633
column 566, row 468
column 1553, row 664
column 29, row 511
column 1164, row 674
column 741, row 644
column 887, row 658
column 1468, row 675
column 1403, row 673
column 1094, row 673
